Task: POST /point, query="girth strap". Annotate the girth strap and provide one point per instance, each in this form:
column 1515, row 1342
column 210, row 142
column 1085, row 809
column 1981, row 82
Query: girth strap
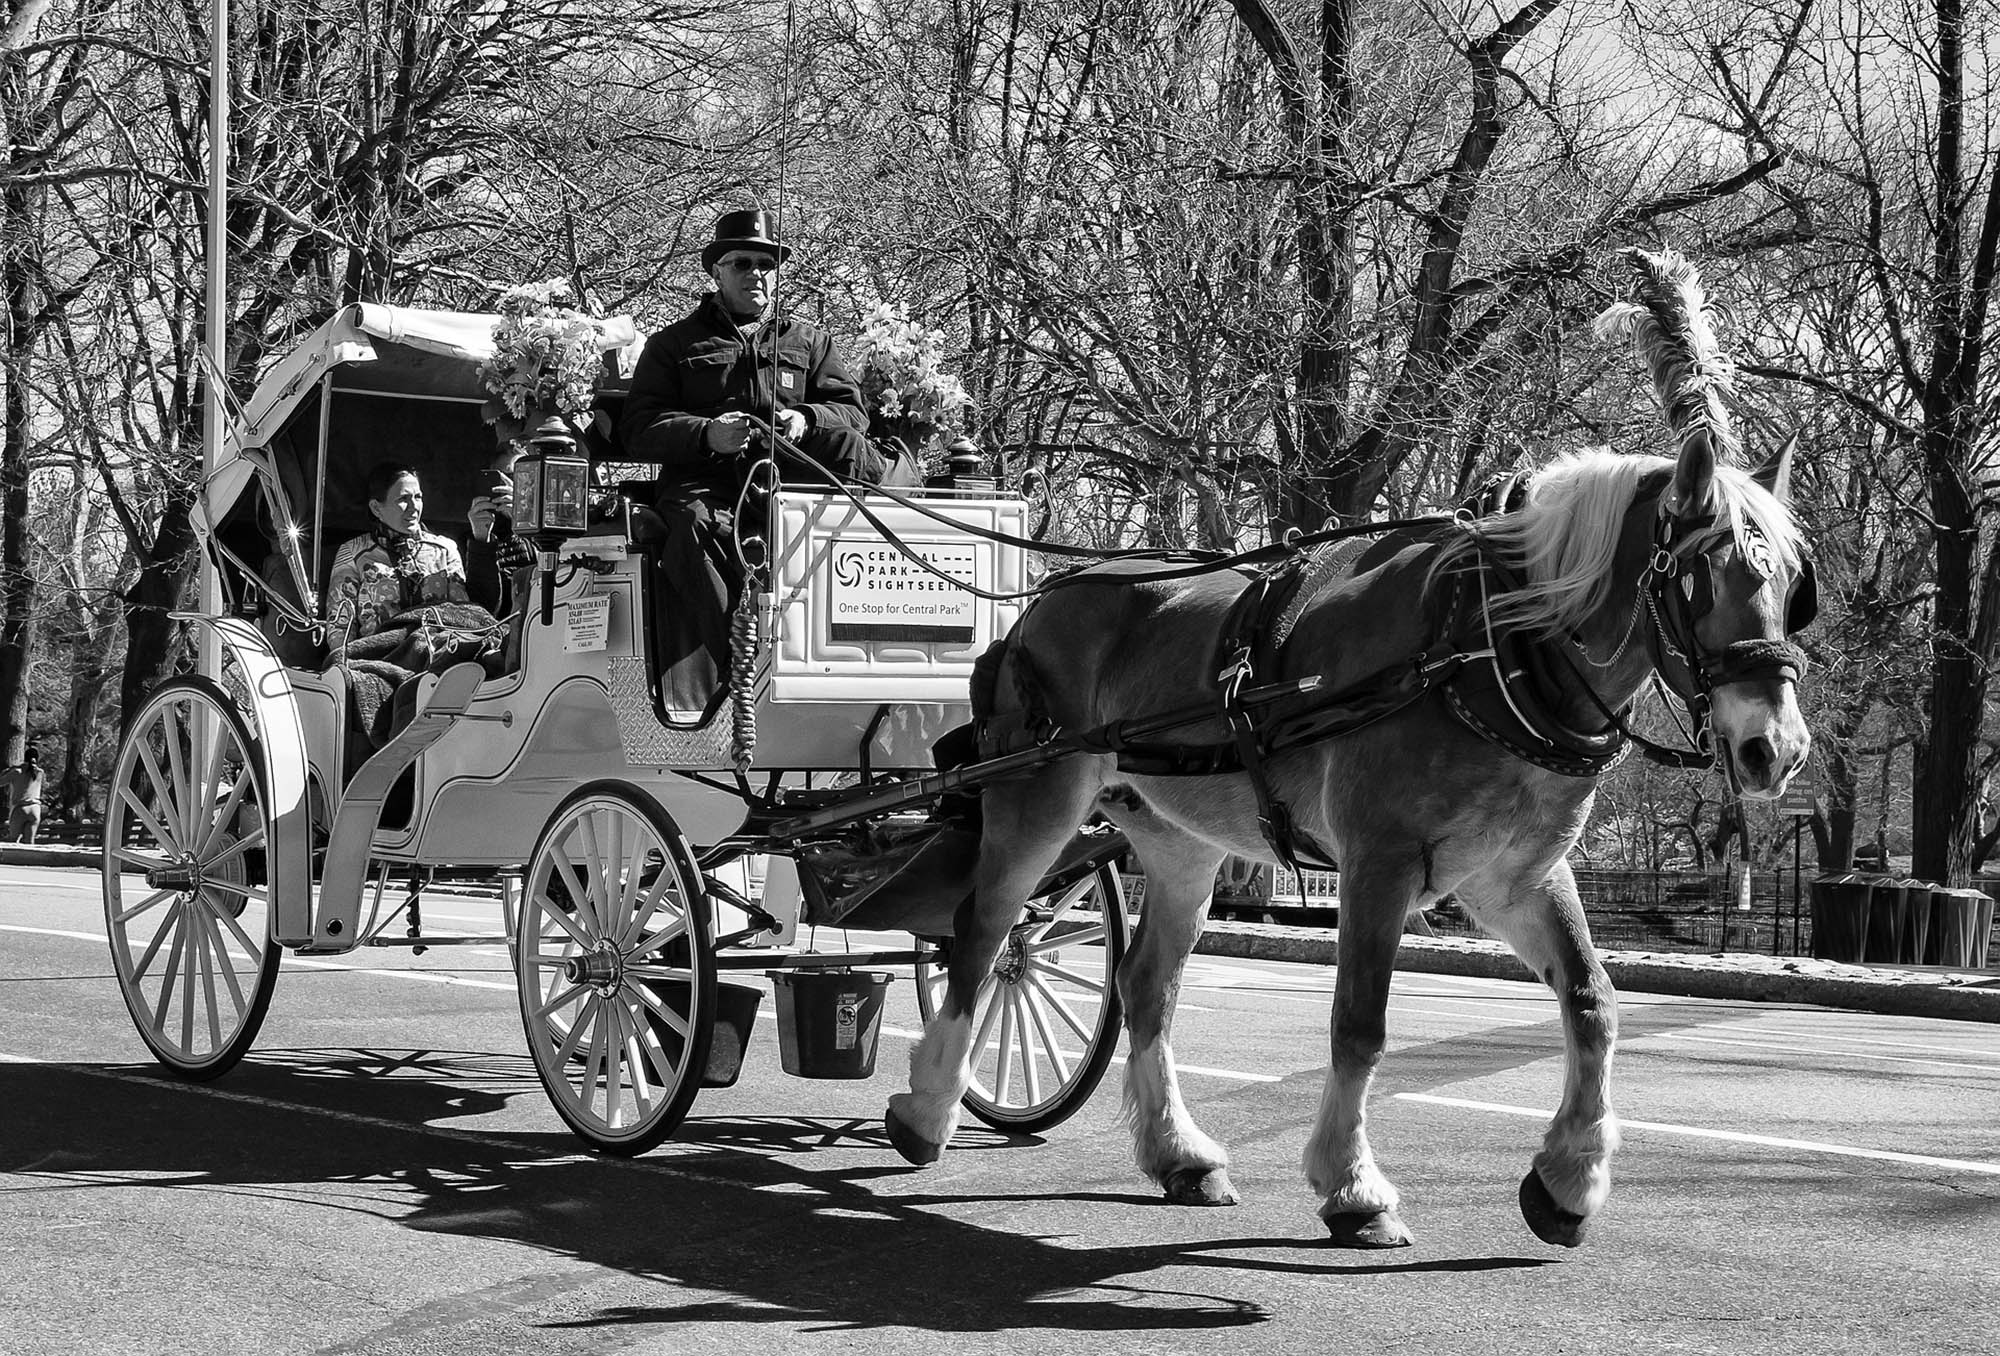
column 1244, row 632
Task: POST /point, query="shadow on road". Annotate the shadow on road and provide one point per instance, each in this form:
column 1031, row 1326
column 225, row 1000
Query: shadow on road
column 728, row 1208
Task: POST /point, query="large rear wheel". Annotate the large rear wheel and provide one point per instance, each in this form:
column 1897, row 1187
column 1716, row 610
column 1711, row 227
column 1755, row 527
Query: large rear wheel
column 616, row 968
column 1047, row 1017
column 186, row 905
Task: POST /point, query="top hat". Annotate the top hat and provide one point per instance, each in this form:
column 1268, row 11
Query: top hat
column 752, row 229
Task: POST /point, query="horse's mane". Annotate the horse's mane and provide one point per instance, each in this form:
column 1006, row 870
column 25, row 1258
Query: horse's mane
column 1564, row 539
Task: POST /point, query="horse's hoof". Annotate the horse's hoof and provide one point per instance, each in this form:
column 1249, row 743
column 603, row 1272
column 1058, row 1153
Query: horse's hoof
column 1383, row 1229
column 1201, row 1186
column 1551, row 1223
column 912, row 1146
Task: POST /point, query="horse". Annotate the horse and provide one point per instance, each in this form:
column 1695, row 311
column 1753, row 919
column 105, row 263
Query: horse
column 1487, row 663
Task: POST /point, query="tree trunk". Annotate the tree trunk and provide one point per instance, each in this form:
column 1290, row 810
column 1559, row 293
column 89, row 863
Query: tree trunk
column 151, row 643
column 17, row 595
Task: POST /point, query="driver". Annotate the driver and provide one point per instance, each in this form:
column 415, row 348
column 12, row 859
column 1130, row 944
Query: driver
column 702, row 387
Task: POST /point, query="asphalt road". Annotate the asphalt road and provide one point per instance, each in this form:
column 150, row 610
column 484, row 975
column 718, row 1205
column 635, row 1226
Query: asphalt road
column 384, row 1174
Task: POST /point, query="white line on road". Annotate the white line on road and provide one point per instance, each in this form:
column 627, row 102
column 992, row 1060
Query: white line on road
column 1736, row 1136
column 39, row 883
column 55, row 932
column 1241, row 1076
column 1820, row 1050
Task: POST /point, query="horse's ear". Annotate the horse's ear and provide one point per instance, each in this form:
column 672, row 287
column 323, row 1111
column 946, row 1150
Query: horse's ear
column 1775, row 474
column 1694, row 476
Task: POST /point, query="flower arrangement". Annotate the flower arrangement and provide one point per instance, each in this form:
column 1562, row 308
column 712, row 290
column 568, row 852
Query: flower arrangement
column 545, row 352
column 902, row 376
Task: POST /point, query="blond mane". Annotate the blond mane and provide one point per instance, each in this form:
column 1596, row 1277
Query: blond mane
column 1564, row 539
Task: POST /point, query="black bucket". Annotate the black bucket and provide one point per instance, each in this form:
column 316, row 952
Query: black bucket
column 829, row 1021
column 735, row 1014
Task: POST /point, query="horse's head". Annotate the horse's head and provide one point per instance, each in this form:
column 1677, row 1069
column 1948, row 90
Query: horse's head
column 1730, row 583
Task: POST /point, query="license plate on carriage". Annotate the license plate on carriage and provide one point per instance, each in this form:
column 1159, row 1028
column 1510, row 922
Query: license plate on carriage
column 878, row 592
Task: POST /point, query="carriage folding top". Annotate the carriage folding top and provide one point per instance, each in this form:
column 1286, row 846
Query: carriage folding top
column 248, row 814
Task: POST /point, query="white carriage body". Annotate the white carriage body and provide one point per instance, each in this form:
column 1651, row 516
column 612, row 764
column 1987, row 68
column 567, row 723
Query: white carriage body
column 865, row 656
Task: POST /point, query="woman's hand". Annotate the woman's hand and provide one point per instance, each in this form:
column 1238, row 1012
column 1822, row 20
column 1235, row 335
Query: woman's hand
column 487, row 508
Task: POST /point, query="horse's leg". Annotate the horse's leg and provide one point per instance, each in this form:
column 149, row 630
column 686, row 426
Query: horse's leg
column 1358, row 1203
column 1026, row 825
column 1180, row 881
column 1571, row 1177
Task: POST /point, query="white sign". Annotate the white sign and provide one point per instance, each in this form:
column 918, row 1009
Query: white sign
column 587, row 623
column 876, row 592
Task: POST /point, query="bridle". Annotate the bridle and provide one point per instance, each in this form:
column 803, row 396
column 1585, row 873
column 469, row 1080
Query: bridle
column 1677, row 588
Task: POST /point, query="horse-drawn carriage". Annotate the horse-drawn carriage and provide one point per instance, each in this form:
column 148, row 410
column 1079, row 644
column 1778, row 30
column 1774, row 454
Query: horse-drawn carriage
column 1431, row 708
column 250, row 815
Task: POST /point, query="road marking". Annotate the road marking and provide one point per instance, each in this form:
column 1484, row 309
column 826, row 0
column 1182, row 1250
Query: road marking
column 424, row 976
column 56, row 932
column 1239, row 1075
column 38, row 884
column 1820, row 1051
column 1735, row 1136
column 1829, row 1036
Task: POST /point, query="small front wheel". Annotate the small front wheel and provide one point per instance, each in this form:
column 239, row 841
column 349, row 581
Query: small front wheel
column 1047, row 1017
column 186, row 905
column 616, row 967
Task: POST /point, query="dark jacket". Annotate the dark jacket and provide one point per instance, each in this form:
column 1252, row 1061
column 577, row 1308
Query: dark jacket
column 701, row 366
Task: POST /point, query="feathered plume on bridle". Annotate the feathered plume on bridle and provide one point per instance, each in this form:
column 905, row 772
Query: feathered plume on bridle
column 1671, row 326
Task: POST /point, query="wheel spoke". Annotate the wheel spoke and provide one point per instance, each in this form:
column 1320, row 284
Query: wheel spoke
column 657, row 1006
column 147, row 820
column 177, row 765
column 596, row 1070
column 1003, row 1074
column 205, row 734
column 145, row 861
column 152, row 901
column 565, row 996
column 225, row 812
column 206, row 948
column 224, row 961
column 586, row 1015
column 1070, row 976
column 1091, row 936
column 255, row 839
column 1031, row 1069
column 1040, row 1017
column 578, row 894
column 654, row 941
column 546, row 907
column 1061, row 1007
column 597, row 876
column 251, row 949
column 656, row 893
column 172, row 925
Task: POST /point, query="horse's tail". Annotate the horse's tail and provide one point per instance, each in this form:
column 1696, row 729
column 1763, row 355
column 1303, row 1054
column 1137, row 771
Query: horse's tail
column 1671, row 325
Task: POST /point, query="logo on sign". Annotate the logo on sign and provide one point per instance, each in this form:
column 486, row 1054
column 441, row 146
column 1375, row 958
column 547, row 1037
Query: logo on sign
column 883, row 590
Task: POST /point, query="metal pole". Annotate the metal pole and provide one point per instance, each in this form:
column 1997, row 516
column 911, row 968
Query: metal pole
column 1798, row 881
column 214, row 339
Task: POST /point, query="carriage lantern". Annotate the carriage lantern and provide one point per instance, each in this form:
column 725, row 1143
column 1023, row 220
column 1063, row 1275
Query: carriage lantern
column 551, row 501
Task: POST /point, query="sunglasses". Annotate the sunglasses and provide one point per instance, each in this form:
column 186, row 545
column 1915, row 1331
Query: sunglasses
column 759, row 263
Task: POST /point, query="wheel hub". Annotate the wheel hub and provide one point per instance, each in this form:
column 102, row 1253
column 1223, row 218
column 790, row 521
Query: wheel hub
column 1013, row 962
column 183, row 874
column 601, row 967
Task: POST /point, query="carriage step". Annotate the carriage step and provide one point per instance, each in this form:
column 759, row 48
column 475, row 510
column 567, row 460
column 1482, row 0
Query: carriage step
column 347, row 847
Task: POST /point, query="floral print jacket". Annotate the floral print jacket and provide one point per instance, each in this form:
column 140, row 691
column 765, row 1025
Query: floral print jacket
column 382, row 574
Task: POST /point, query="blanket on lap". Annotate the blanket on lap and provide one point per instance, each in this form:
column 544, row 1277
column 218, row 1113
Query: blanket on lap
column 380, row 666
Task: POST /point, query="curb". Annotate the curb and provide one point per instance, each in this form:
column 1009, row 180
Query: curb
column 1960, row 996
column 51, row 854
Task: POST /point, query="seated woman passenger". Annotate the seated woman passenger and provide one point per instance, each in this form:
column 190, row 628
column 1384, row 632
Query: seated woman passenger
column 398, row 603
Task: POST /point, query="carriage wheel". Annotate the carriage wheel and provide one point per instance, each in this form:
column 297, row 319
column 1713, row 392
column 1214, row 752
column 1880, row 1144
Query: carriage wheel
column 1047, row 1017
column 186, row 903
column 616, row 965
